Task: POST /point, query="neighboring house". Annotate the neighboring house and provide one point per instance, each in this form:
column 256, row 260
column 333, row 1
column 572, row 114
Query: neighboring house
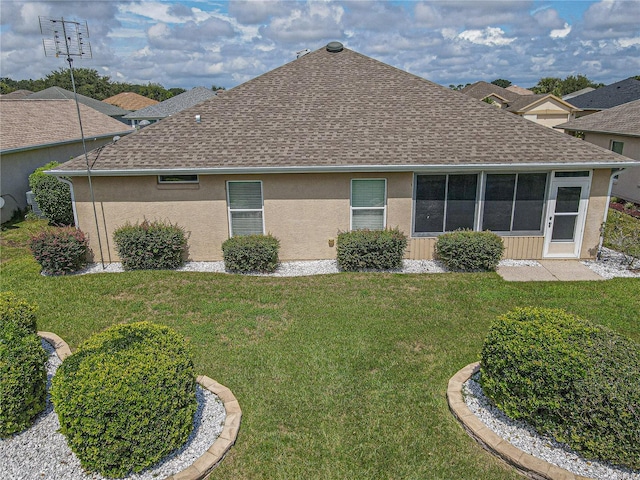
column 130, row 101
column 610, row 96
column 16, row 95
column 36, row 132
column 57, row 93
column 336, row 141
column 519, row 90
column 616, row 129
column 169, row 107
column 545, row 109
column 579, row 92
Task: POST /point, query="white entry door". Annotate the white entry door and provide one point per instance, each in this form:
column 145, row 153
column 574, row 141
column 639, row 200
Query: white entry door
column 566, row 213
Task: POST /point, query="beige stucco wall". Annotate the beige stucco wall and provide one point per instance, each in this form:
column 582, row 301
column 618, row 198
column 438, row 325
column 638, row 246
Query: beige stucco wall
column 16, row 167
column 304, row 211
column 627, row 185
column 549, row 114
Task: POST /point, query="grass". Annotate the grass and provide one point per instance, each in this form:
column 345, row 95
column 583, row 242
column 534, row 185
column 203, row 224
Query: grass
column 339, row 376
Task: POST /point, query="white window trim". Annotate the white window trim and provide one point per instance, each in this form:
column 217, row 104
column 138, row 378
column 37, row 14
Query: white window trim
column 352, row 208
column 229, row 209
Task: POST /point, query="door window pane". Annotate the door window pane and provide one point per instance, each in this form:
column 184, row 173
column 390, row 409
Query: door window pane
column 530, row 200
column 498, row 202
column 461, row 202
column 564, row 227
column 430, row 201
column 568, row 199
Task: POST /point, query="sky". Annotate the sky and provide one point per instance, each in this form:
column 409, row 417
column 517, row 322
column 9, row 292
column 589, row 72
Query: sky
column 206, row 42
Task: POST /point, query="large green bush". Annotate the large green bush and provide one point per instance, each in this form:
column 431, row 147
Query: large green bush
column 126, row 398
column 466, row 250
column 151, row 245
column 568, row 378
column 370, row 249
column 251, row 253
column 60, row 251
column 23, row 376
column 52, row 195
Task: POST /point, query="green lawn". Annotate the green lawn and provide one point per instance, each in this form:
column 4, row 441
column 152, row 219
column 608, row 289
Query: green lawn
column 338, row 376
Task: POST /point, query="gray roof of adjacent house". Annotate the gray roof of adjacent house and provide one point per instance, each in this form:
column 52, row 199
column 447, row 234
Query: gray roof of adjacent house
column 610, row 96
column 621, row 120
column 481, row 90
column 340, row 111
column 16, row 95
column 173, row 105
column 53, row 93
column 579, row 92
column 29, row 124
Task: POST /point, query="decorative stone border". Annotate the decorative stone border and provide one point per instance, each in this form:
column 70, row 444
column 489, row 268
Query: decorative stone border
column 528, row 465
column 212, row 457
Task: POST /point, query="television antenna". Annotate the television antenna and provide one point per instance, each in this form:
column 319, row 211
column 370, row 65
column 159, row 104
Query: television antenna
column 69, row 38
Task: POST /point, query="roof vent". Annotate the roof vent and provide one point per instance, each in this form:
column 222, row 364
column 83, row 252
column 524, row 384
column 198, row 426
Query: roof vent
column 334, row 47
column 302, row 53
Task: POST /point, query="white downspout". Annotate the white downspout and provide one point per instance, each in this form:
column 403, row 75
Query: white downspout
column 606, row 209
column 73, row 200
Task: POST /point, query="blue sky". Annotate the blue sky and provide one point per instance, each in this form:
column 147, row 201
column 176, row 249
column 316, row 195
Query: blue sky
column 204, row 42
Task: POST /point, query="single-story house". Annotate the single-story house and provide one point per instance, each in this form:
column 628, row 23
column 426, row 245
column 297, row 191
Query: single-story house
column 130, row 101
column 36, row 132
column 173, row 105
column 545, row 109
column 336, row 141
column 616, row 129
column 57, row 93
column 609, row 96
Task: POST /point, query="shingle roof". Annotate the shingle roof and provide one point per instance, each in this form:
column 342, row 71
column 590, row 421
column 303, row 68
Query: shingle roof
column 31, row 123
column 173, row 105
column 340, row 111
column 57, row 93
column 16, row 95
column 522, row 103
column 481, row 90
column 130, row 101
column 622, row 120
column 610, row 96
column 519, row 90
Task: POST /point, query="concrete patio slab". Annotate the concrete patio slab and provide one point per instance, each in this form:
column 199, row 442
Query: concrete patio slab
column 549, row 271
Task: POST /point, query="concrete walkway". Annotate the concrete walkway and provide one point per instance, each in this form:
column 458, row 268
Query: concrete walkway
column 549, row 271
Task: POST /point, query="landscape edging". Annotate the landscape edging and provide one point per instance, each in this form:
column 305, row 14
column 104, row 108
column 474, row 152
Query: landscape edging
column 227, row 438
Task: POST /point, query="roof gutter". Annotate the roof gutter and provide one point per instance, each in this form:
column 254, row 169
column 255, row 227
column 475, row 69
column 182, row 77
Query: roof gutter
column 342, row 169
column 606, row 210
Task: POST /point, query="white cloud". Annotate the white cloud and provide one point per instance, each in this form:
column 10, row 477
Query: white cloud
column 629, row 42
column 561, row 32
column 492, row 36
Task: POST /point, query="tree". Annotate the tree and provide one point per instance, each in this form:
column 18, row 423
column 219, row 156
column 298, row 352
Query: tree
column 52, row 195
column 501, row 82
column 458, row 87
column 559, row 87
column 215, row 87
column 88, row 82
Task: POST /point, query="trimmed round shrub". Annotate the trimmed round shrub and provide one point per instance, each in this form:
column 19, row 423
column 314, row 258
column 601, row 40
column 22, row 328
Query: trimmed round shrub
column 251, row 253
column 126, row 398
column 23, row 376
column 60, row 251
column 466, row 250
column 52, row 195
column 569, row 379
column 17, row 312
column 151, row 245
column 370, row 250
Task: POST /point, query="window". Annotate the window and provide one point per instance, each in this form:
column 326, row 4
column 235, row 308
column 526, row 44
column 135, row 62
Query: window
column 178, row 179
column 445, row 203
column 514, row 202
column 368, row 204
column 617, row 146
column 245, row 208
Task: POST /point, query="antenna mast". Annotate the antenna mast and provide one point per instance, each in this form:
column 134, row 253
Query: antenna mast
column 68, row 38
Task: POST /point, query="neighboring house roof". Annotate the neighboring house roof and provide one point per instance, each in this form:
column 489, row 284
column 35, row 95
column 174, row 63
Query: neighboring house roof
column 173, row 105
column 519, row 90
column 341, row 111
column 610, row 96
column 16, row 95
column 481, row 90
column 579, row 92
column 57, row 93
column 621, row 120
column 130, row 101
column 28, row 124
column 527, row 102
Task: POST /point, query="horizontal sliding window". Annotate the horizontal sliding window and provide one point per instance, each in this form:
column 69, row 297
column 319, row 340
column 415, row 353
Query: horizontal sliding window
column 514, row 202
column 178, row 179
column 368, row 204
column 246, row 212
column 444, row 203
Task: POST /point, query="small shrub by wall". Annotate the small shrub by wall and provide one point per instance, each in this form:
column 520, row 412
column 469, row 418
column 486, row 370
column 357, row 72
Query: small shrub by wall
column 251, row 253
column 60, row 251
column 622, row 233
column 370, row 250
column 126, row 398
column 466, row 250
column 52, row 195
column 151, row 245
column 23, row 377
column 568, row 378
